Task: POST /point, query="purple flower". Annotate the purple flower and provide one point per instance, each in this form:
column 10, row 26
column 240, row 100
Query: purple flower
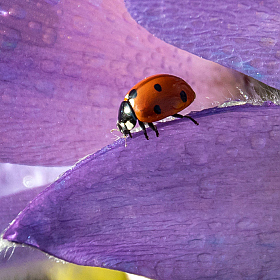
column 196, row 201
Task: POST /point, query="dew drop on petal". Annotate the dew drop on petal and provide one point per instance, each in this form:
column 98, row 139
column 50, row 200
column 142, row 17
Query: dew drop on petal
column 45, row 87
column 17, row 12
column 274, row 134
column 9, row 38
column 233, row 152
column 49, row 36
column 207, row 188
column 258, row 142
column 82, row 25
column 35, row 25
column 48, row 66
column 72, row 70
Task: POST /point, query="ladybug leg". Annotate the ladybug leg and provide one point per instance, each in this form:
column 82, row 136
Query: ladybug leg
column 186, row 116
column 144, row 129
column 154, row 128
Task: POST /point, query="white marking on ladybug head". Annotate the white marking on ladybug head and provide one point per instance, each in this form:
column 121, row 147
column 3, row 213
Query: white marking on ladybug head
column 126, row 110
column 129, row 125
column 131, row 101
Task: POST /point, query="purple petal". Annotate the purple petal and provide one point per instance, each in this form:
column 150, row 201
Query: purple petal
column 65, row 68
column 10, row 207
column 201, row 201
column 243, row 35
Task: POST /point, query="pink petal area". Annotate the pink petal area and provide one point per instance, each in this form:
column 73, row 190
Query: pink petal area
column 243, row 35
column 201, row 201
column 65, row 67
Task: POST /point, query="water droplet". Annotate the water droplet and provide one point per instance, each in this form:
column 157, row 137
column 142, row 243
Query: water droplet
column 96, row 3
column 196, row 243
column 132, row 41
column 215, row 225
column 267, row 42
column 233, row 152
column 52, row 2
column 49, row 36
column 247, row 122
column 151, row 38
column 258, row 141
column 148, row 71
column 17, row 12
column 246, row 224
column 243, row 6
column 262, row 15
column 200, row 159
column 275, row 133
column 7, row 73
column 72, row 70
column 59, row 12
column 205, row 258
column 277, row 54
column 118, row 66
column 207, row 187
column 233, row 26
column 256, row 62
column 96, row 95
column 269, row 239
column 110, row 17
column 35, row 25
column 9, row 38
column 27, row 62
column 82, row 25
column 95, row 60
column 140, row 58
column 45, row 87
column 224, row 139
column 48, row 66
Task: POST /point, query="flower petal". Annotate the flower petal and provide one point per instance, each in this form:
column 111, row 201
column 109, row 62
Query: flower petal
column 10, row 207
column 240, row 35
column 198, row 200
column 66, row 66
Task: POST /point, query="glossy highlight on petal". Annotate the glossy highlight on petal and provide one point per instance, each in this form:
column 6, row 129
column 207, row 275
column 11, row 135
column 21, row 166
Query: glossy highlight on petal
column 241, row 35
column 201, row 201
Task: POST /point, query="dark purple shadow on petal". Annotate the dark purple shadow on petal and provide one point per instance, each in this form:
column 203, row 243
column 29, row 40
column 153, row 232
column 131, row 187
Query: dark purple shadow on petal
column 240, row 35
column 10, row 207
column 201, row 201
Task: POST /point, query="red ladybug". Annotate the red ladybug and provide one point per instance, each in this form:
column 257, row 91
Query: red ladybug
column 153, row 99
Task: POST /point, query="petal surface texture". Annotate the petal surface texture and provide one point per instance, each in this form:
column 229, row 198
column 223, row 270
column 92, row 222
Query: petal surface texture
column 243, row 35
column 201, row 201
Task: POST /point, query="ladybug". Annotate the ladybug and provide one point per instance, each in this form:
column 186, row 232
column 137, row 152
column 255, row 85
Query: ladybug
column 154, row 99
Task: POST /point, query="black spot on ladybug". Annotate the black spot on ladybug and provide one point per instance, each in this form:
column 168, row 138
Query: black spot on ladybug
column 183, row 96
column 132, row 94
column 157, row 109
column 157, row 87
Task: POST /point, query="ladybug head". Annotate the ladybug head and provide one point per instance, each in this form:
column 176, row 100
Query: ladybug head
column 126, row 119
